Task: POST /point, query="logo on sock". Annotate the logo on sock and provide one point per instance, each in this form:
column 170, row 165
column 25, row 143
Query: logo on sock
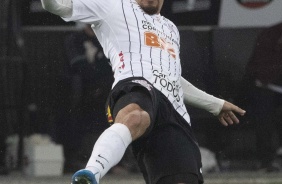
column 100, row 164
column 103, row 158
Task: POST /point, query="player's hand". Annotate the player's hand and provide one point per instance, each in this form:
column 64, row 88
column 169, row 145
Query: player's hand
column 227, row 116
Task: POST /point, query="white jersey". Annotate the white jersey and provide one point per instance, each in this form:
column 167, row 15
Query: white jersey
column 137, row 44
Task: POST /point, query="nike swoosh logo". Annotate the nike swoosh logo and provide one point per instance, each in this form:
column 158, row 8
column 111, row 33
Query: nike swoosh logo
column 103, row 158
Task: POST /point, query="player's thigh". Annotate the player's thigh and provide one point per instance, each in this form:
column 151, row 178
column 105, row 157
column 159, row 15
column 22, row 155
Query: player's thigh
column 170, row 152
column 132, row 113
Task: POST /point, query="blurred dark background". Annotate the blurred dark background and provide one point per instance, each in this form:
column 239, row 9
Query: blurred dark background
column 39, row 81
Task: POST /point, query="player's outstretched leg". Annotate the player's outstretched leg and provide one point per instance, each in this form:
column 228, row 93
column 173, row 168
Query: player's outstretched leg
column 83, row 177
column 107, row 152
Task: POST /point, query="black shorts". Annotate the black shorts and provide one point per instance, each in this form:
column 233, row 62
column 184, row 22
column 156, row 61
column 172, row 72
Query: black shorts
column 168, row 149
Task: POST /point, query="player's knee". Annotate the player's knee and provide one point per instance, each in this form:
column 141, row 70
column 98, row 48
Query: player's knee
column 137, row 121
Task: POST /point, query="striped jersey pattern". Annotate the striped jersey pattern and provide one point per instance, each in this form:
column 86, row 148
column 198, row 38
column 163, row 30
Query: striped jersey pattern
column 137, row 44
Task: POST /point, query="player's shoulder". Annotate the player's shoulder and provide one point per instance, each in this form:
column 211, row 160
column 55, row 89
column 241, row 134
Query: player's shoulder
column 169, row 21
column 171, row 24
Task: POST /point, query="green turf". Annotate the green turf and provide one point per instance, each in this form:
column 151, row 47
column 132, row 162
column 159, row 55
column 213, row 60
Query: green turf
column 241, row 177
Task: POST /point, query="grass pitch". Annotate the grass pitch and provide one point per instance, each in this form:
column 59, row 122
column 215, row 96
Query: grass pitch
column 241, row 177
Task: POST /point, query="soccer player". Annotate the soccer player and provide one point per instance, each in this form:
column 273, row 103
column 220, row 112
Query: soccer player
column 146, row 103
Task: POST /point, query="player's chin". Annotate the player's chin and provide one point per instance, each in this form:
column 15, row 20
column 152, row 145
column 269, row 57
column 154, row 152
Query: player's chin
column 151, row 10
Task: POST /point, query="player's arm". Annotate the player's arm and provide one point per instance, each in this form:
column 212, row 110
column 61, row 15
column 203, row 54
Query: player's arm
column 200, row 99
column 63, row 8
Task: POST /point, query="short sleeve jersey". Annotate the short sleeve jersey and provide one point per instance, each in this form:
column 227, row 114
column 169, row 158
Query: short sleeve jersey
column 137, row 44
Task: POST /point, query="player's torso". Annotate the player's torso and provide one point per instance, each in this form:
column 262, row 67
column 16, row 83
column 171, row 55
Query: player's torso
column 150, row 51
column 153, row 46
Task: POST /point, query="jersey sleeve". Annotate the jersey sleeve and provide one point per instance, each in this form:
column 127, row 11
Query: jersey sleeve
column 90, row 11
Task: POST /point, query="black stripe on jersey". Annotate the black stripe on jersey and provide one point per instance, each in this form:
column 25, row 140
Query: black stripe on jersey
column 175, row 68
column 140, row 47
column 161, row 51
column 184, row 114
column 180, row 70
column 178, row 107
column 151, row 48
column 178, row 41
column 183, row 105
column 129, row 35
column 151, row 57
column 161, row 60
column 173, row 101
column 169, row 60
column 169, row 65
column 169, row 56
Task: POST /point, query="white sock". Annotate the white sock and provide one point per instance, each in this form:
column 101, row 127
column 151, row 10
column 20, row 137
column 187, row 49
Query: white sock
column 109, row 149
